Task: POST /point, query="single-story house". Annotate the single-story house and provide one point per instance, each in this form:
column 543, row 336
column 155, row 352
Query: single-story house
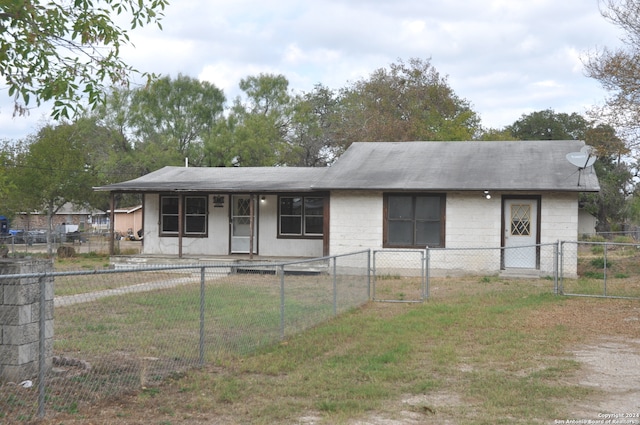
column 69, row 214
column 377, row 195
column 127, row 220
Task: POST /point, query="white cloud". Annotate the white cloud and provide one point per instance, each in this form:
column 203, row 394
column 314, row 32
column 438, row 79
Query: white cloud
column 506, row 57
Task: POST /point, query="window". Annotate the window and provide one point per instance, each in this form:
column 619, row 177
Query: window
column 301, row 216
column 414, row 221
column 195, row 215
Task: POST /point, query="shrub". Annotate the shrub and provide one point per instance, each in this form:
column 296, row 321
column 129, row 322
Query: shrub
column 598, row 263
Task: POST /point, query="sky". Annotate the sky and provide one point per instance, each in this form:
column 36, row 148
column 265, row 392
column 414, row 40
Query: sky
column 506, row 57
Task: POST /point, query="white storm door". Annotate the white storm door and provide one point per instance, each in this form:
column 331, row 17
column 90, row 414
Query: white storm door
column 241, row 225
column 520, row 227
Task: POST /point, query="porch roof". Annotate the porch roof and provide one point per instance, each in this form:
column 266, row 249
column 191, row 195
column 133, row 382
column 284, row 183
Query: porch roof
column 449, row 166
column 222, row 179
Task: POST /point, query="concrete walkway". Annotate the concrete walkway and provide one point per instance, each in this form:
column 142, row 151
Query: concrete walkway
column 141, row 287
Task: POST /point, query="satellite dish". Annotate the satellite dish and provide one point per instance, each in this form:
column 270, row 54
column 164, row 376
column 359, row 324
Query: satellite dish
column 581, row 159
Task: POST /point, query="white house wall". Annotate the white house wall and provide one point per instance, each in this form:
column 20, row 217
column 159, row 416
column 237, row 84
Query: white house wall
column 217, row 242
column 560, row 223
column 472, row 222
column 268, row 242
column 356, row 221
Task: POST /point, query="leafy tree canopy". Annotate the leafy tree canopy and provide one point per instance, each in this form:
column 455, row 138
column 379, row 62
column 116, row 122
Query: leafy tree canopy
column 67, row 51
column 549, row 125
column 408, row 101
column 618, row 70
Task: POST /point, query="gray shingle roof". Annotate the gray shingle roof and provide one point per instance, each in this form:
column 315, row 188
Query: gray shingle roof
column 432, row 166
column 439, row 166
column 223, row 179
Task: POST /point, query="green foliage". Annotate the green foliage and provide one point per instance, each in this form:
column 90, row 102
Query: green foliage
column 257, row 128
column 67, row 51
column 403, row 103
column 598, row 263
column 175, row 115
column 60, row 154
column 549, row 125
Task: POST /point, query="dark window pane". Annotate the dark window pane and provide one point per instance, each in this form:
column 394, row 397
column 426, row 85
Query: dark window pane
column 196, row 205
column 291, row 206
column 313, row 225
column 291, row 225
column 170, row 205
column 196, row 224
column 400, row 207
column 170, row 223
column 313, row 206
column 400, row 233
column 428, row 233
column 428, row 208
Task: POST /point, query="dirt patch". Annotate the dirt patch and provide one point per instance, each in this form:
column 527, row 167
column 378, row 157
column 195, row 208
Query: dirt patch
column 606, row 334
column 613, row 367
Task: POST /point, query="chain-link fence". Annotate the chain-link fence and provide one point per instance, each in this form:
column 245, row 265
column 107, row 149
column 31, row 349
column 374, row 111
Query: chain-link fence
column 415, row 275
column 399, row 275
column 109, row 332
column 35, row 242
column 117, row 331
column 604, row 269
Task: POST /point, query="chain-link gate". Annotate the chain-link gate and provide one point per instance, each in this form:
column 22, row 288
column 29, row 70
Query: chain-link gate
column 399, row 276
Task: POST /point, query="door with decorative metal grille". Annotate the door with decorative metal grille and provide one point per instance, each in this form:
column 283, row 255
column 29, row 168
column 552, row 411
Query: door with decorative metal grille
column 241, row 225
column 520, row 238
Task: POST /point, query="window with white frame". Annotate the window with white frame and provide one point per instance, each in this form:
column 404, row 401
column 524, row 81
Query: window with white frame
column 301, row 216
column 194, row 211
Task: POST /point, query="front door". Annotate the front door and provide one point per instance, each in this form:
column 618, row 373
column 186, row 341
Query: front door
column 520, row 233
column 241, row 225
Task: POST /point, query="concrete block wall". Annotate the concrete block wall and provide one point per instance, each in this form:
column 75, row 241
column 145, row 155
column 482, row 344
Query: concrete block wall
column 20, row 319
column 356, row 221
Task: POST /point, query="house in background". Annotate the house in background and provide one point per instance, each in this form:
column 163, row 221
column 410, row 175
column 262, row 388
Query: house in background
column 80, row 217
column 127, row 220
column 392, row 195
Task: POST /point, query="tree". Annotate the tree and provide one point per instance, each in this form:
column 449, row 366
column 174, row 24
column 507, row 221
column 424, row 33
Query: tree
column 609, row 205
column 612, row 204
column 403, row 103
column 313, row 124
column 494, row 134
column 54, row 169
column 618, row 70
column 257, row 128
column 67, row 51
column 176, row 115
column 549, row 125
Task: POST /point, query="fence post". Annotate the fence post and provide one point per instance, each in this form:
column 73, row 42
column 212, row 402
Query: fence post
column 561, row 268
column 373, row 270
column 369, row 274
column 335, row 288
column 426, row 272
column 41, row 346
column 555, row 266
column 202, row 306
column 281, row 301
column 604, row 270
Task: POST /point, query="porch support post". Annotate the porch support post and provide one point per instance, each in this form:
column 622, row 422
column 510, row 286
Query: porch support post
column 112, row 223
column 251, row 227
column 180, row 223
